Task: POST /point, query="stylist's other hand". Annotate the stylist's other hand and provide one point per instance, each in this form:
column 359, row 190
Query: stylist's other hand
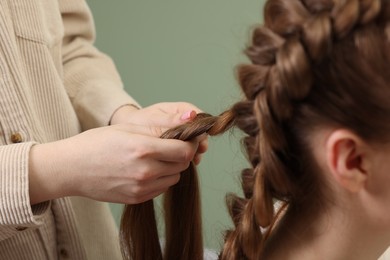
column 161, row 117
column 120, row 163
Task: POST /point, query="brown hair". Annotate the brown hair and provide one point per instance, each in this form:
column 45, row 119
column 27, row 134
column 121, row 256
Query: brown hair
column 183, row 227
column 314, row 63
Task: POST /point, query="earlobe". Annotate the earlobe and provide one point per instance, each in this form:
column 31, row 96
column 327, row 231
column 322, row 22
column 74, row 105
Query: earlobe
column 346, row 159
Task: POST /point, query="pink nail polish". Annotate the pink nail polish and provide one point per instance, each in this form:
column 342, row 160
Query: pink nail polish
column 188, row 115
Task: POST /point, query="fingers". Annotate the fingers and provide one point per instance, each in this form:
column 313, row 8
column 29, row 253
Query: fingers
column 170, row 120
column 154, row 170
column 177, row 107
column 174, row 113
column 203, row 143
column 152, row 131
column 149, row 190
column 197, row 159
column 165, row 182
column 169, row 150
column 143, row 198
column 158, row 117
column 202, row 148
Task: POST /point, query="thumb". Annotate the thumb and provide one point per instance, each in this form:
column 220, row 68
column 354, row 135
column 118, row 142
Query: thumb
column 170, row 120
column 187, row 116
column 181, row 118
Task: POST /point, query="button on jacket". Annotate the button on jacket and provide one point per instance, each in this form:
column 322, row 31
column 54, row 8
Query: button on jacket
column 53, row 85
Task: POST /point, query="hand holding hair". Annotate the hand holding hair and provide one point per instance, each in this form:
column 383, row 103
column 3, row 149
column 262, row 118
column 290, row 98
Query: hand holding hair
column 183, row 231
column 160, row 117
column 119, row 163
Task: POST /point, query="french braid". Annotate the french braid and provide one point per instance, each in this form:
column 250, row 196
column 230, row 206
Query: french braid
column 293, row 85
column 296, row 35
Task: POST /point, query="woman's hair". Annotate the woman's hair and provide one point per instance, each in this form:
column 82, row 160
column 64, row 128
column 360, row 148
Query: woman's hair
column 183, row 227
column 314, row 64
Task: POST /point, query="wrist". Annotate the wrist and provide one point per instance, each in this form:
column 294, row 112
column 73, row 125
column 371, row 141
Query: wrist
column 46, row 181
column 121, row 115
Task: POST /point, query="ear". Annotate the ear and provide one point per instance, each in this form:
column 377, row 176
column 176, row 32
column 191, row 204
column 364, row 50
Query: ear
column 347, row 160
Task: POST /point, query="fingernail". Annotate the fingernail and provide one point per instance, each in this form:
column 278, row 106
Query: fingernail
column 188, row 115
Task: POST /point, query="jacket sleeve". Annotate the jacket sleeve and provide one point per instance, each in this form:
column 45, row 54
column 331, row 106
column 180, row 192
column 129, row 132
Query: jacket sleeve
column 90, row 76
column 16, row 213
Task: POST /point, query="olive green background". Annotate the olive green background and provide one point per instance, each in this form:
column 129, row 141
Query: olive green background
column 181, row 50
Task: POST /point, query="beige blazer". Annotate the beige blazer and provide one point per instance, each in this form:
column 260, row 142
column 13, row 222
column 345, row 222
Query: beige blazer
column 53, row 84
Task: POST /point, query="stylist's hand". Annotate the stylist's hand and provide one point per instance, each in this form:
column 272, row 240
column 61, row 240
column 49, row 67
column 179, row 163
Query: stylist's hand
column 160, row 117
column 120, row 163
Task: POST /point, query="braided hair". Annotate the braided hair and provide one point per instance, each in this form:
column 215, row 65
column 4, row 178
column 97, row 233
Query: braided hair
column 314, row 63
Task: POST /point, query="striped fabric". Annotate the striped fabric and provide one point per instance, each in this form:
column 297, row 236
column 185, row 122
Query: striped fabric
column 53, row 85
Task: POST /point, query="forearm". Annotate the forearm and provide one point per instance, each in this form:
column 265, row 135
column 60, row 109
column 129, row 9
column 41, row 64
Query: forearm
column 47, row 172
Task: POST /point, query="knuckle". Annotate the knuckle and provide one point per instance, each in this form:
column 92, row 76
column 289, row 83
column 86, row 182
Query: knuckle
column 144, row 198
column 203, row 146
column 182, row 166
column 138, row 177
column 143, row 175
column 138, row 191
column 141, row 152
column 175, row 179
column 186, row 165
column 135, row 200
column 129, row 201
column 188, row 155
